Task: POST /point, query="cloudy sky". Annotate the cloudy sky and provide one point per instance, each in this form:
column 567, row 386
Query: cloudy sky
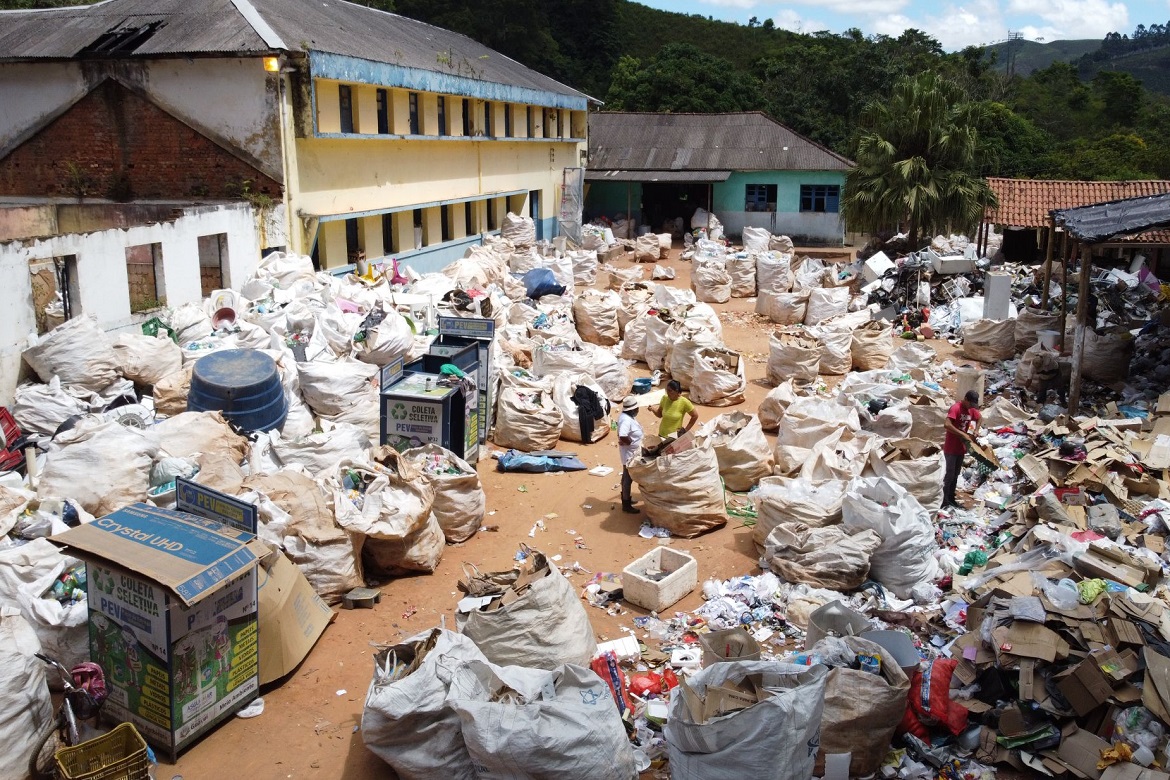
column 954, row 23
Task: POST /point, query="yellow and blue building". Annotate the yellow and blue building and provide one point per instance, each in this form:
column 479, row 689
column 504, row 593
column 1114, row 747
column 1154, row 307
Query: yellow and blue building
column 362, row 130
column 745, row 167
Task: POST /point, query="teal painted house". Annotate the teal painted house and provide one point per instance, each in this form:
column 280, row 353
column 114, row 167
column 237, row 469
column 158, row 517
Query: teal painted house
column 746, row 167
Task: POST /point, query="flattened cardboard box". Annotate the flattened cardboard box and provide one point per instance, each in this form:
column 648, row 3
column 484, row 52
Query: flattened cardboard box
column 1028, row 640
column 1117, row 565
column 1156, row 689
column 1080, row 750
column 1132, row 772
column 1034, row 469
column 1027, row 679
column 172, row 618
column 292, row 616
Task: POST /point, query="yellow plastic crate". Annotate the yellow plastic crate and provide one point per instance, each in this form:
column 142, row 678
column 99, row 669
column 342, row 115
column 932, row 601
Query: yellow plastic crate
column 118, row 755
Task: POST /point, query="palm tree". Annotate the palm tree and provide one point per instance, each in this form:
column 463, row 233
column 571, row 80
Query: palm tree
column 917, row 154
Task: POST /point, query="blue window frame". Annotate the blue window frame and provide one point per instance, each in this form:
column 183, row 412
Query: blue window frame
column 820, row 198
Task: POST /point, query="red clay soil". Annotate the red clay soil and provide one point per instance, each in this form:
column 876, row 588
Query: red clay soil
column 310, row 725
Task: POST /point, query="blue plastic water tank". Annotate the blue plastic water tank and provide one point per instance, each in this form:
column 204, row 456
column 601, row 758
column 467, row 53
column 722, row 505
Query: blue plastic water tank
column 244, row 384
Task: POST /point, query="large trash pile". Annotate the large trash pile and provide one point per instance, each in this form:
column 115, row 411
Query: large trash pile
column 882, row 634
column 1028, row 630
column 344, row 510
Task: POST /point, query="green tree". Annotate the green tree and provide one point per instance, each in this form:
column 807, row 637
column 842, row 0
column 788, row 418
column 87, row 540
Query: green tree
column 917, row 156
column 1114, row 157
column 1057, row 102
column 1154, row 128
column 1120, row 95
column 681, row 78
column 623, row 84
column 1012, row 145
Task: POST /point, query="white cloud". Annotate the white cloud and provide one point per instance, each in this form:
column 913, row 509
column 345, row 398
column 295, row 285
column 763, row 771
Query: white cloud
column 787, row 19
column 955, row 23
column 953, row 26
column 972, row 23
column 892, row 25
column 732, row 3
column 865, row 7
column 1071, row 19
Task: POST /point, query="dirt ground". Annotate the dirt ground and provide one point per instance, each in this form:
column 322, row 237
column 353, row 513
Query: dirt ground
column 310, row 724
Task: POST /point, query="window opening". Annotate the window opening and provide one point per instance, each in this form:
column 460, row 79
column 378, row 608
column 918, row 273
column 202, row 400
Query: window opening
column 760, row 197
column 820, row 198
column 387, row 234
column 144, row 277
column 212, row 263
column 345, row 100
column 414, row 113
column 383, row 113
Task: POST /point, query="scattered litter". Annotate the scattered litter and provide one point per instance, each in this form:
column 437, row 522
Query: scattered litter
column 252, row 710
column 1036, row 616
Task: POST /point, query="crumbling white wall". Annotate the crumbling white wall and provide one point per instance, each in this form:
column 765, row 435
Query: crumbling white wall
column 101, row 280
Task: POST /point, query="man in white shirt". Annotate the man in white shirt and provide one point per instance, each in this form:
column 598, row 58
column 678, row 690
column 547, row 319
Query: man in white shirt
column 629, row 447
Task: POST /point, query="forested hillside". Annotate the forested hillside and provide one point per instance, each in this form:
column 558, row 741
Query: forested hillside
column 1081, row 120
column 1050, row 124
column 1023, row 56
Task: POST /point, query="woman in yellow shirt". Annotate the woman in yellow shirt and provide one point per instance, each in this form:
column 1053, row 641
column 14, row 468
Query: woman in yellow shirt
column 673, row 409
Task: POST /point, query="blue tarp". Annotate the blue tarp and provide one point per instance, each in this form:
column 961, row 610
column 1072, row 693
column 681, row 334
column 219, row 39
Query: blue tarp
column 537, row 464
column 540, row 282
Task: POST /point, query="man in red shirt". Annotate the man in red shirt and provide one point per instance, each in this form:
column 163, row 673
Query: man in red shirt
column 961, row 424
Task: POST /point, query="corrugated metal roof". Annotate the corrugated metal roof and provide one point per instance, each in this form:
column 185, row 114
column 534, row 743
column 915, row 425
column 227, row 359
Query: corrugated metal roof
column 1027, row 202
column 357, row 31
column 188, row 27
column 217, row 26
column 1094, row 224
column 658, row 176
column 748, row 141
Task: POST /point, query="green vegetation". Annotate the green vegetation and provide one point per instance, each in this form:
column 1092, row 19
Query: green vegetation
column 1062, row 120
column 917, row 162
column 681, row 78
column 1086, row 111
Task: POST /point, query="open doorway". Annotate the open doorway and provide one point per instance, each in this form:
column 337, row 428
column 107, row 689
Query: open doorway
column 666, row 203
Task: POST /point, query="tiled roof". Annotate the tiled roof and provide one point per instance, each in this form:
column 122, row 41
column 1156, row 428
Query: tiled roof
column 1026, row 202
